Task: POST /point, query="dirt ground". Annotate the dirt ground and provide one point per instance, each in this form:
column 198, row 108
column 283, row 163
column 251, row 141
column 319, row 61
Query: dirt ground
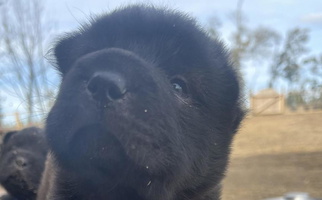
column 273, row 155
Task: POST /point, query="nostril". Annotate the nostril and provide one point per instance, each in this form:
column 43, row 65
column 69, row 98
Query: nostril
column 115, row 92
column 107, row 86
column 21, row 162
column 93, row 86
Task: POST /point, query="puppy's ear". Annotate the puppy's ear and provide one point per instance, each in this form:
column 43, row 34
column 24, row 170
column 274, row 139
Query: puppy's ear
column 65, row 52
column 7, row 136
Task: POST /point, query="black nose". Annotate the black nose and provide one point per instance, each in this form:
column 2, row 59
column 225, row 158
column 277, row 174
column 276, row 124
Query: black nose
column 107, row 86
column 21, row 162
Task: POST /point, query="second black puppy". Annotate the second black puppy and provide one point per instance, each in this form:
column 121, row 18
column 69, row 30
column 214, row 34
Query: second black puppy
column 22, row 160
column 147, row 110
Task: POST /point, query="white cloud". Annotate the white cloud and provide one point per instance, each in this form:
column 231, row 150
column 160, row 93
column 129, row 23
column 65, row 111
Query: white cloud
column 312, row 18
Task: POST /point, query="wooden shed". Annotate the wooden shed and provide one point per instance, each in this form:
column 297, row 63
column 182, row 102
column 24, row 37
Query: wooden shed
column 267, row 102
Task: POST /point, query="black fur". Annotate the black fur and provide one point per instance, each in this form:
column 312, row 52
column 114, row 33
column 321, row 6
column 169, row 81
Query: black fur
column 22, row 159
column 7, row 197
column 158, row 121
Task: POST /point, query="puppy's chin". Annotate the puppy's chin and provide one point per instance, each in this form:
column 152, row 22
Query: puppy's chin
column 93, row 148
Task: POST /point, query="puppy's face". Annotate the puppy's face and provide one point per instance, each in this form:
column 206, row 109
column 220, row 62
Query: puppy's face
column 22, row 158
column 144, row 91
column 114, row 107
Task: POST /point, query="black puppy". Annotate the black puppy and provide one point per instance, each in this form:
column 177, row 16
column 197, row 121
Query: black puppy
column 22, row 160
column 147, row 110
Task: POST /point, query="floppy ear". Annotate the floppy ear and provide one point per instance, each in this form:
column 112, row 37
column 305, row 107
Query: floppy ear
column 65, row 52
column 7, row 136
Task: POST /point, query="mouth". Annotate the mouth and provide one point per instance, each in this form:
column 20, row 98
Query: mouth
column 15, row 180
column 23, row 189
column 94, row 146
column 115, row 138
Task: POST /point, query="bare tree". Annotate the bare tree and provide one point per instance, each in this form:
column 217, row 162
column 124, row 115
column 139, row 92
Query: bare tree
column 1, row 110
column 255, row 45
column 24, row 72
column 312, row 84
column 214, row 24
column 239, row 37
column 287, row 59
column 263, row 43
column 251, row 44
column 287, row 62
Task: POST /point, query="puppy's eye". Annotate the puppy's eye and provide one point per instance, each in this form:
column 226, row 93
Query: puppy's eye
column 179, row 86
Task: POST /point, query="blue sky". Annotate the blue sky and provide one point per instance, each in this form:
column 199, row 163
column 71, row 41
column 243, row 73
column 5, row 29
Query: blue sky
column 278, row 14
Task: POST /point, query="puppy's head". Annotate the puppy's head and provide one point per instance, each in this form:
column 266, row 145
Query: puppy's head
column 144, row 90
column 22, row 158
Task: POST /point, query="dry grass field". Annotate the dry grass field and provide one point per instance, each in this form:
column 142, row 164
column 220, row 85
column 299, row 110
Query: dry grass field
column 273, row 155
